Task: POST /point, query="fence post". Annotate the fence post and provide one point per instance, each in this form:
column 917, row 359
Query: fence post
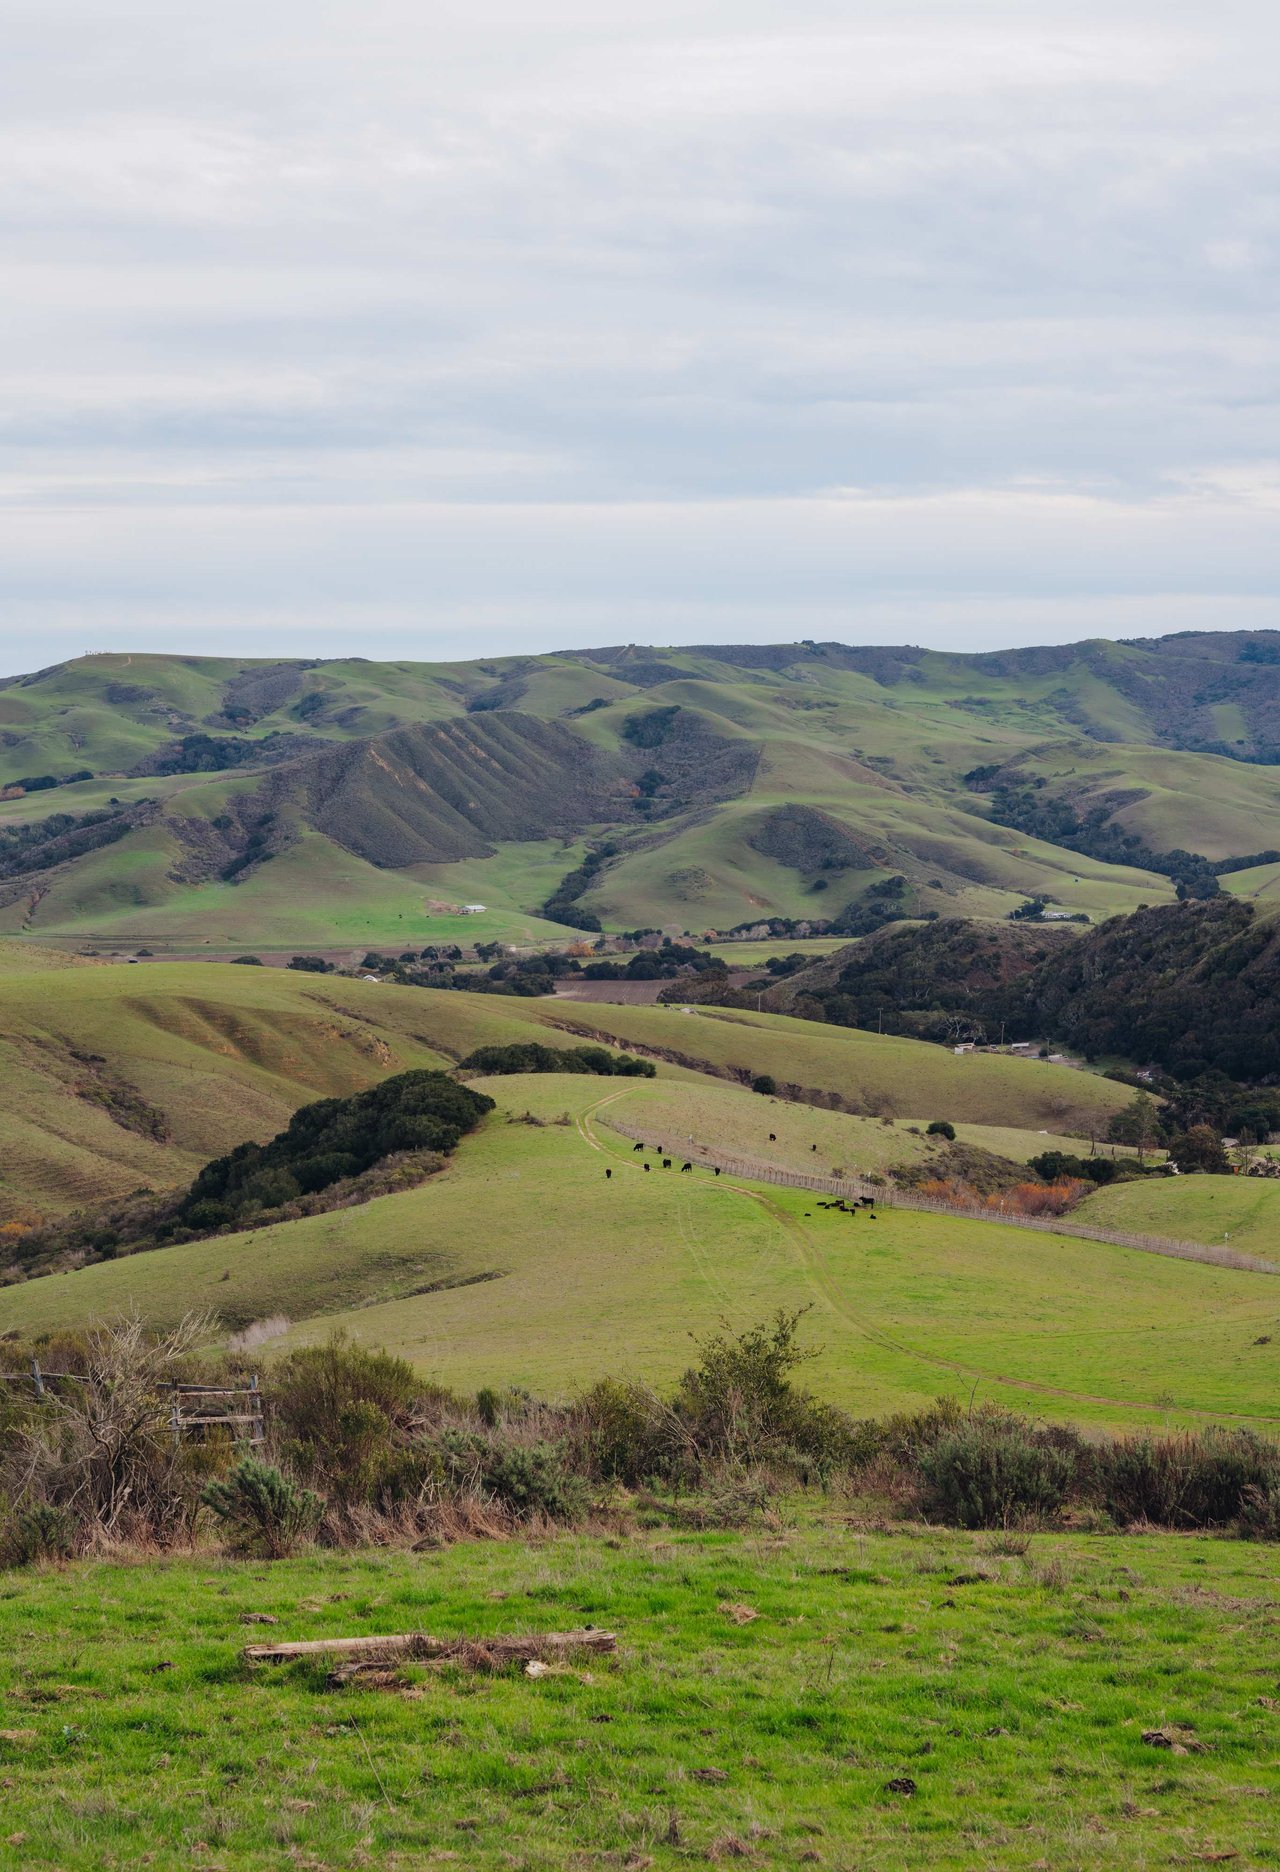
column 175, row 1417
column 256, row 1430
column 37, row 1379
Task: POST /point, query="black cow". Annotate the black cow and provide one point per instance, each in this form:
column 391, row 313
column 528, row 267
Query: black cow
column 635, row 1148
column 647, row 1169
column 666, row 1163
column 813, row 1147
column 607, row 1175
column 717, row 1169
column 684, row 1167
column 773, row 1137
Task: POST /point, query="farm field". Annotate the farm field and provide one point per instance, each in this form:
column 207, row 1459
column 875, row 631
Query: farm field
column 1013, row 1707
column 522, row 1263
column 756, row 954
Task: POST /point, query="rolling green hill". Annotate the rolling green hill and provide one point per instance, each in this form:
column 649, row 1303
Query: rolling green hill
column 347, row 803
column 522, row 1263
column 118, row 1076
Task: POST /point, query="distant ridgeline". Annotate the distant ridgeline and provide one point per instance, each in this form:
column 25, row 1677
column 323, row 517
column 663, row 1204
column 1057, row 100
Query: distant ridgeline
column 334, row 1153
column 636, row 772
column 1192, row 987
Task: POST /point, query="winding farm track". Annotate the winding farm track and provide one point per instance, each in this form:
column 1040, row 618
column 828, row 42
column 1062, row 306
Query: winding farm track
column 835, row 1297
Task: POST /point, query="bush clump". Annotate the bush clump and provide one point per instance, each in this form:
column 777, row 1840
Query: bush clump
column 266, row 1512
column 532, row 1057
column 1204, row 1479
column 995, row 1471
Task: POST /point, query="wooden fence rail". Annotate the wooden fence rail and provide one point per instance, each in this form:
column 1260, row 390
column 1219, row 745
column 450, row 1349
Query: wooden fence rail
column 893, row 1195
column 192, row 1407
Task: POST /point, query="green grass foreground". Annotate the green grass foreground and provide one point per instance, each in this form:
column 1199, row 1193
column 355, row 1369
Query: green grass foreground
column 1012, row 1689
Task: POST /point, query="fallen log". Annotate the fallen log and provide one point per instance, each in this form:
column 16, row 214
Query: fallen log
column 497, row 1650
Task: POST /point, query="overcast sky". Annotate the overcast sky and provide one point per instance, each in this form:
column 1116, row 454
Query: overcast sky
column 443, row 327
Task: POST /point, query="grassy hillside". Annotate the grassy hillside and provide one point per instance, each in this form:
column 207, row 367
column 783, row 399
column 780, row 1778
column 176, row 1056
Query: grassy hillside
column 1243, row 1211
column 112, row 1077
column 133, row 1075
column 879, row 1074
column 523, row 1263
column 324, row 803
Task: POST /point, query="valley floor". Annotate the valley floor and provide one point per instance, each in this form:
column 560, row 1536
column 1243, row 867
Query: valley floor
column 804, row 1694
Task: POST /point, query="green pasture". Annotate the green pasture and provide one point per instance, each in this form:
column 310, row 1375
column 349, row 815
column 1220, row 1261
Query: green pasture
column 773, row 1131
column 1242, row 1212
column 223, row 1053
column 1014, row 1707
column 523, row 1263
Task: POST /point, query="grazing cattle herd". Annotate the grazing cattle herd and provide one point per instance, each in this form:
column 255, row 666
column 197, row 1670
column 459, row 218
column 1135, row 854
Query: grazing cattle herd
column 854, row 1208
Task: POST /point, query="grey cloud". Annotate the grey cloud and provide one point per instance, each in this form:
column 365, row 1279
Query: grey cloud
column 286, row 286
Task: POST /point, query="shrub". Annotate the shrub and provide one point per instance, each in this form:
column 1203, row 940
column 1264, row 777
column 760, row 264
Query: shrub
column 1260, row 1511
column 622, row 1432
column 993, row 1471
column 764, row 1083
column 738, row 1405
column 100, row 1452
column 1206, row 1478
column 40, row 1532
column 265, row 1512
column 526, row 1478
column 943, row 1128
column 347, row 1418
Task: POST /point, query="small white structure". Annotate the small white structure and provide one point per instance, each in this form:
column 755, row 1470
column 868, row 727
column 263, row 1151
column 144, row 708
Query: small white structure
column 473, row 909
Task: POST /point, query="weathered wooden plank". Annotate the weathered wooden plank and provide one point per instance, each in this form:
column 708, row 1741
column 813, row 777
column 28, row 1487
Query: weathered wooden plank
column 422, row 1645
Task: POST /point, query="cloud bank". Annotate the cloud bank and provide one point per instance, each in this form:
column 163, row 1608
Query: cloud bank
column 433, row 331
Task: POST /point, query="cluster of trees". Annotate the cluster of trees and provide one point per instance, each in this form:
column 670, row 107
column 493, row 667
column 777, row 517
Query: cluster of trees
column 45, row 842
column 1189, row 987
column 1192, row 989
column 333, row 1139
column 533, row 1057
column 562, row 905
column 657, row 964
column 528, row 976
column 1026, row 805
column 334, row 1154
column 41, row 783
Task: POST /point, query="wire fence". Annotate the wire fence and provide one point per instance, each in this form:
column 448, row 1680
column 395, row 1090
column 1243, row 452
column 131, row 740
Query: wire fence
column 893, row 1195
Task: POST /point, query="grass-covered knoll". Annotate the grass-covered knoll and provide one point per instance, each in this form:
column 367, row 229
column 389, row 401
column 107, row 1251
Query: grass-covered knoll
column 879, row 1074
column 704, row 1739
column 521, row 1263
column 1242, row 1211
column 115, row 1077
